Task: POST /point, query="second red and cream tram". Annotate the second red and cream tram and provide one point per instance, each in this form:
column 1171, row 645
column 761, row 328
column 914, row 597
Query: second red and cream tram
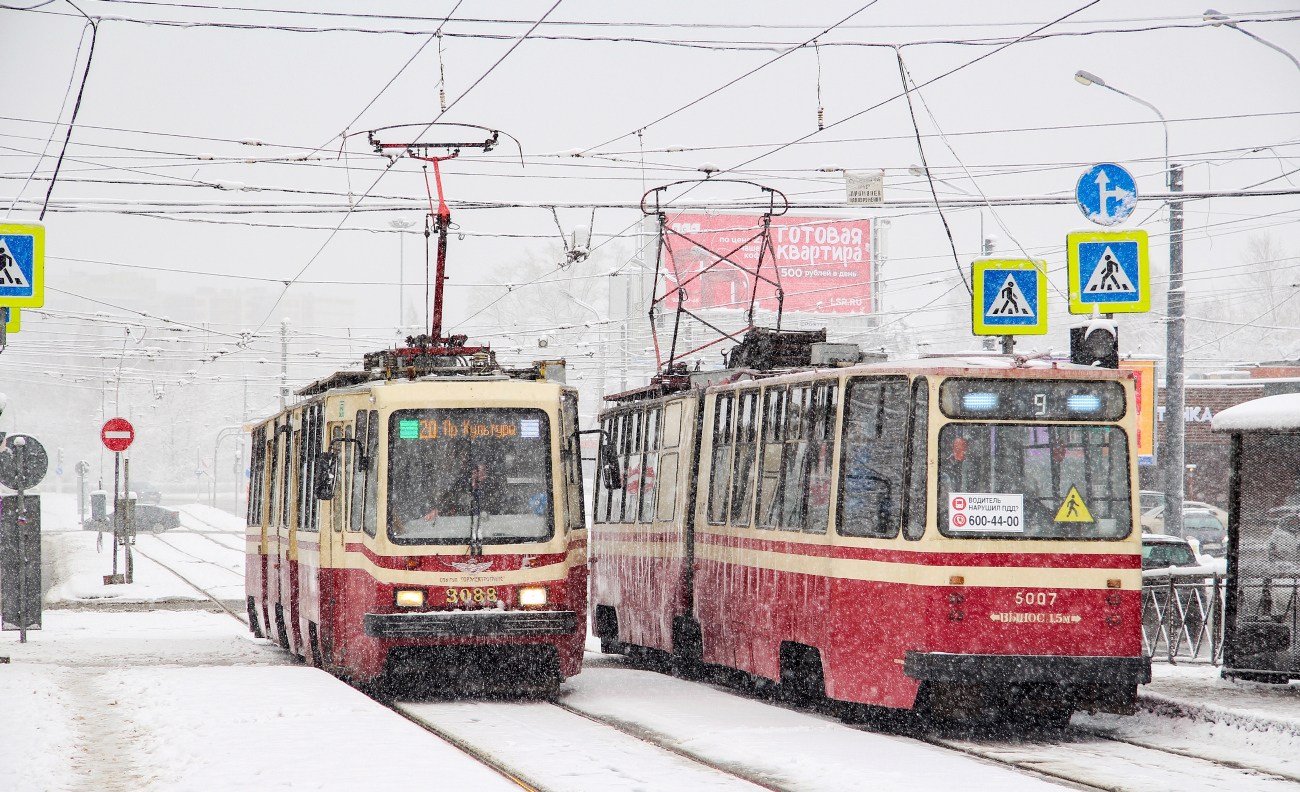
column 952, row 535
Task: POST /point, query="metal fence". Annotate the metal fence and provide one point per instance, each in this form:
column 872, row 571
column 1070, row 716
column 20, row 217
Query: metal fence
column 1182, row 616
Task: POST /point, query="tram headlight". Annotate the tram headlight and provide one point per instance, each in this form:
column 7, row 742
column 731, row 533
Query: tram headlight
column 532, row 596
column 409, row 598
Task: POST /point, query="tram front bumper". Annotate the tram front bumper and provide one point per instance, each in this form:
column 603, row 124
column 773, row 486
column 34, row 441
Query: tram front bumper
column 471, row 624
column 1057, row 669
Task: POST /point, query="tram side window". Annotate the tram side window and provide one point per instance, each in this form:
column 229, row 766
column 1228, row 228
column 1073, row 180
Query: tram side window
column 650, row 464
column 358, row 474
column 797, row 455
column 821, row 454
column 672, row 424
column 875, row 431
column 632, row 465
column 667, row 505
column 302, row 470
column 746, row 450
column 773, row 437
column 336, row 507
column 272, row 474
column 256, row 460
column 918, row 445
column 619, row 440
column 372, row 475
column 571, row 461
column 602, row 488
column 720, row 464
column 310, row 447
column 286, row 474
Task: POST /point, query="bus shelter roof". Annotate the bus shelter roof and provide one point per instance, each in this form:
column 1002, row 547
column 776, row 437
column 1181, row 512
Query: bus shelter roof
column 1280, row 413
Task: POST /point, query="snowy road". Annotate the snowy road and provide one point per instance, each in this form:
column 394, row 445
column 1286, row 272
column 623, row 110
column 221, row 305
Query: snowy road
column 161, row 700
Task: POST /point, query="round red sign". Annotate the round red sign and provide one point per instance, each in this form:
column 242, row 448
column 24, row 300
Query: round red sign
column 117, row 434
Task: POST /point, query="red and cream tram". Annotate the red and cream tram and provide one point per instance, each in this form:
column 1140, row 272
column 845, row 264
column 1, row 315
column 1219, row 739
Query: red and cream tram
column 431, row 526
column 954, row 535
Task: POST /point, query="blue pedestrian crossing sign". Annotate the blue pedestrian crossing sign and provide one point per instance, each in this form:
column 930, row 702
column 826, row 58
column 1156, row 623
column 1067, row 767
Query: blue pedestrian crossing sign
column 22, row 265
column 1109, row 270
column 1106, row 194
column 13, row 322
column 1010, row 297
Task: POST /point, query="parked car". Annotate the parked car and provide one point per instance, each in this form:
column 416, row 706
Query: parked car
column 1153, row 519
column 1207, row 529
column 1161, row 552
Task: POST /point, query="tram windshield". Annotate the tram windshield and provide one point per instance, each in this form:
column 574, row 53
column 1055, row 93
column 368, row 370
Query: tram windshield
column 458, row 476
column 1016, row 481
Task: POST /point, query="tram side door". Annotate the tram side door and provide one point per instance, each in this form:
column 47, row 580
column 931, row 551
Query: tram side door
column 333, row 520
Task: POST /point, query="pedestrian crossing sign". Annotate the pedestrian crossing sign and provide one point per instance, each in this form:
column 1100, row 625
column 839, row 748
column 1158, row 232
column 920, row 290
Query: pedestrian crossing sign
column 1010, row 297
column 1109, row 270
column 13, row 322
column 22, row 265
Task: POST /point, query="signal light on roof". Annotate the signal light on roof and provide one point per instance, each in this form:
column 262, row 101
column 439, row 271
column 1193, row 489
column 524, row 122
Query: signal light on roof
column 980, row 401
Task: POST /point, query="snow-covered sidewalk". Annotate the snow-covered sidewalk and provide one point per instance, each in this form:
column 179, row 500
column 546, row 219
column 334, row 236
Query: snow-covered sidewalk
column 166, row 700
column 207, row 550
column 1193, row 710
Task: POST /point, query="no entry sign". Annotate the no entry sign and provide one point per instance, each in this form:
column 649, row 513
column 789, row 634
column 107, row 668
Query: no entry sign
column 117, row 434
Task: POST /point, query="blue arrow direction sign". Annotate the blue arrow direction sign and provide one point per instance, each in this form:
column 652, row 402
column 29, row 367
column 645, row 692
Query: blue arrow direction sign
column 1106, row 194
column 1109, row 270
column 1010, row 297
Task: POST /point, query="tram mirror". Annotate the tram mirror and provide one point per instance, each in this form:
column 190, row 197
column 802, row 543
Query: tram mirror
column 610, row 468
column 327, row 474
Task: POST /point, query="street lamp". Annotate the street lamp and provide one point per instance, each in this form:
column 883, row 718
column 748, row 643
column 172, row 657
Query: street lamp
column 917, row 170
column 1088, row 78
column 1175, row 329
column 1218, row 19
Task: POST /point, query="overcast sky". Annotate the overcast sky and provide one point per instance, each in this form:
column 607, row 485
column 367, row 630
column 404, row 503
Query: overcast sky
column 166, row 105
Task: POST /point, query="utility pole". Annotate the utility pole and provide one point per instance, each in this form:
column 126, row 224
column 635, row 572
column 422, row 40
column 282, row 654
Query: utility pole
column 284, row 362
column 1175, row 392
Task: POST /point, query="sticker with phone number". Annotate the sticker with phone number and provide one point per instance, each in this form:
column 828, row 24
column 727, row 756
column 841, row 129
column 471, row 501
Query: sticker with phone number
column 986, row 512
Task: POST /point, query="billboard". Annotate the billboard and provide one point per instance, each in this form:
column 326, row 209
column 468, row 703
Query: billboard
column 825, row 265
column 1146, row 408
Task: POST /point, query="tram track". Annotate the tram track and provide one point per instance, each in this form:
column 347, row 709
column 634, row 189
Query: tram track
column 1081, row 757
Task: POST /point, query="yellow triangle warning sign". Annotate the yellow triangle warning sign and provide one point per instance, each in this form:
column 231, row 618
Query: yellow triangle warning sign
column 1073, row 509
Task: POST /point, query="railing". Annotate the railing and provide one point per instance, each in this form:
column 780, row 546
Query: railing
column 1182, row 615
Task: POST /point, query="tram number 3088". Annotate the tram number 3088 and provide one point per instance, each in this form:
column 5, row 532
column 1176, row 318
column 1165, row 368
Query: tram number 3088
column 474, row 596
column 1035, row 597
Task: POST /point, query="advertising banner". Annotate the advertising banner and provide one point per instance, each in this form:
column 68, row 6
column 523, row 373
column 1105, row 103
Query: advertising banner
column 825, row 265
column 1146, row 408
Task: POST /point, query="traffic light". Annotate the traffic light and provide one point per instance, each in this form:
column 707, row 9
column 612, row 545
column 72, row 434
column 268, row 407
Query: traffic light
column 1095, row 344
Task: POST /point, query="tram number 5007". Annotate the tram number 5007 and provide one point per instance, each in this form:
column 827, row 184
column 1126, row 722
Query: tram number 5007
column 1035, row 597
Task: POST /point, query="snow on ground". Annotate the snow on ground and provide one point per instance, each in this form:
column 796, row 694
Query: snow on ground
column 190, row 701
column 547, row 747
column 76, row 561
column 1193, row 710
column 793, row 750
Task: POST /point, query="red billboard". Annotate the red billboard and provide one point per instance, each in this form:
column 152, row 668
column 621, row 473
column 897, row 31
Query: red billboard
column 824, row 264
